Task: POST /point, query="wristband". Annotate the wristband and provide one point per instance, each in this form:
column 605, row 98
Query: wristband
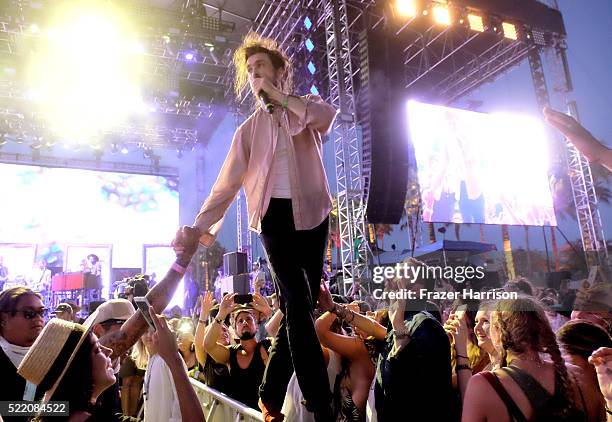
column 462, row 367
column 464, row 357
column 218, row 321
column 179, row 269
column 202, row 321
column 285, row 101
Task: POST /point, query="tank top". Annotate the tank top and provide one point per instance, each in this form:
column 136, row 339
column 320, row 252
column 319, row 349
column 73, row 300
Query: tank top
column 245, row 382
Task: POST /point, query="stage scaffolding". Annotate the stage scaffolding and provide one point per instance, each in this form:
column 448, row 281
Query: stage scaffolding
column 442, row 64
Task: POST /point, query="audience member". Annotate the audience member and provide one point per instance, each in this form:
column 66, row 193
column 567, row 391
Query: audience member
column 246, row 360
column 21, row 321
column 526, row 386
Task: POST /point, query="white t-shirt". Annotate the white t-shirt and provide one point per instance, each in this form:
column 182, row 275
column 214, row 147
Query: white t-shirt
column 161, row 401
column 293, row 409
column 279, row 173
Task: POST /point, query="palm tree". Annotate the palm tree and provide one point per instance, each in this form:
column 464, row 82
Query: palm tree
column 381, row 230
column 528, row 255
column 432, row 232
column 508, row 252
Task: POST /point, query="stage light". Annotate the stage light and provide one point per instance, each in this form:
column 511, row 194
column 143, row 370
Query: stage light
column 309, row 44
column 509, row 31
column 189, row 56
column 34, row 28
column 88, row 60
column 124, row 150
column 314, row 90
column 442, row 15
column 307, row 23
column 406, row 8
column 311, row 68
column 476, row 23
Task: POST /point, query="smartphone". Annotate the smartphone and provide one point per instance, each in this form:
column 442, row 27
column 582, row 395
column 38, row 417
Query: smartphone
column 460, row 311
column 243, row 299
column 143, row 306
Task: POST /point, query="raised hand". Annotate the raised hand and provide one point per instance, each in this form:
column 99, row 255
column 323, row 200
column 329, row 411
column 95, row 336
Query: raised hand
column 602, row 360
column 261, row 304
column 226, row 306
column 326, row 303
column 185, row 242
column 457, row 327
column 259, row 84
column 207, row 302
column 163, row 339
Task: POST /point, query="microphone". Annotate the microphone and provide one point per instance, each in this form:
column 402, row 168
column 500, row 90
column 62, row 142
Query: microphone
column 265, row 100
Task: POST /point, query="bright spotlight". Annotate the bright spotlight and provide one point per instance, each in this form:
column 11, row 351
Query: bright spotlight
column 87, row 74
column 189, row 56
column 442, row 15
column 476, row 23
column 406, row 8
column 509, row 31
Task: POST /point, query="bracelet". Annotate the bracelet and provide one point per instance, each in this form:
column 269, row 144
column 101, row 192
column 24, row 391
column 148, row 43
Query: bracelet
column 464, row 357
column 608, row 410
column 462, row 367
column 202, row 321
column 218, row 321
column 340, row 311
column 402, row 332
column 179, row 269
column 285, row 101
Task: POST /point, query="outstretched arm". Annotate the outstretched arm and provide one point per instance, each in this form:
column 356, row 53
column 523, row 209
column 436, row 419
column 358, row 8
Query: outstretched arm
column 581, row 138
column 159, row 297
column 191, row 410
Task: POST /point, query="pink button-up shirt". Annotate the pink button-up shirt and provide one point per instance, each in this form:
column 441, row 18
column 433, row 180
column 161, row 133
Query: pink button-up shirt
column 249, row 161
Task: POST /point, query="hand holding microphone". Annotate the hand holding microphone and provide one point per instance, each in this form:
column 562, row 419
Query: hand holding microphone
column 266, row 91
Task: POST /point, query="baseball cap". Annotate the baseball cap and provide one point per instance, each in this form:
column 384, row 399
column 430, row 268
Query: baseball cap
column 114, row 309
column 62, row 307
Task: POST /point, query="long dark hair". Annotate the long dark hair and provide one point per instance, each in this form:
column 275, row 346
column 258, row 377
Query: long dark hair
column 77, row 384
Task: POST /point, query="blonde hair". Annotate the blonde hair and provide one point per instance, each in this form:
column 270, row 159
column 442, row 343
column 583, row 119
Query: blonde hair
column 524, row 327
column 254, row 43
column 139, row 355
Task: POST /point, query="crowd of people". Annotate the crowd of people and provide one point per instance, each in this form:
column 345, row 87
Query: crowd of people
column 386, row 361
column 303, row 354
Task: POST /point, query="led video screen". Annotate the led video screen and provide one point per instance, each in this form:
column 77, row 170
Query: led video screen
column 58, row 208
column 481, row 168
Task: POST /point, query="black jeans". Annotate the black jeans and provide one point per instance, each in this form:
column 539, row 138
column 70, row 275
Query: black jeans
column 296, row 260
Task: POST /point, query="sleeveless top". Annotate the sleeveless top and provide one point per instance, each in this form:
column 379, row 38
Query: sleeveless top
column 546, row 407
column 245, row 382
column 216, row 375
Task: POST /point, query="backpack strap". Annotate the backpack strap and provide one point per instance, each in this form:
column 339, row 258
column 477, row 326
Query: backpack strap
column 513, row 410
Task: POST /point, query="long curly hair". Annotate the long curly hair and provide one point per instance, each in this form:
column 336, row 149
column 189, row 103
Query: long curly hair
column 523, row 328
column 254, row 43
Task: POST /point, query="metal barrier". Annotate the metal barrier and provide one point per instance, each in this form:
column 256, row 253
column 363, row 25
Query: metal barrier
column 220, row 408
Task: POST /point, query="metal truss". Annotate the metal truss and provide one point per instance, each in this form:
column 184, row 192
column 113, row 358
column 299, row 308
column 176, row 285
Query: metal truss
column 97, row 165
column 579, row 171
column 446, row 63
column 347, row 148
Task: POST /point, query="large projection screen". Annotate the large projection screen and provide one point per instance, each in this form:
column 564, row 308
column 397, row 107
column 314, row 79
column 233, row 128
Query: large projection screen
column 61, row 209
column 481, row 168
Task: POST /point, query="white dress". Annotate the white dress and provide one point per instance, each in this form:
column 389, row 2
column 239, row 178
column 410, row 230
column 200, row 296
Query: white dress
column 161, row 401
column 293, row 409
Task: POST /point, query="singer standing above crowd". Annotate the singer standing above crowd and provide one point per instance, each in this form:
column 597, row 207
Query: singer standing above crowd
column 276, row 155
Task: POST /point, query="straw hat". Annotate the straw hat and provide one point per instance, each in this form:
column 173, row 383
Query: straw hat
column 52, row 353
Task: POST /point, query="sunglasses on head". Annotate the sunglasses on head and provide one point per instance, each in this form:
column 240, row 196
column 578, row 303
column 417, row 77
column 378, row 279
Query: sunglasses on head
column 31, row 314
